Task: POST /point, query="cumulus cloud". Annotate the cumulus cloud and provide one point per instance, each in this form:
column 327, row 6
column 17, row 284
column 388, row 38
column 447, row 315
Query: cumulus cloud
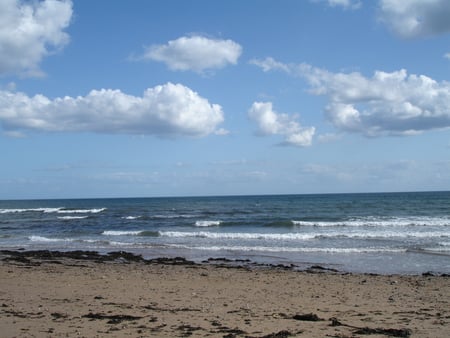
column 195, row 53
column 168, row 110
column 415, row 18
column 346, row 4
column 29, row 31
column 393, row 103
column 271, row 123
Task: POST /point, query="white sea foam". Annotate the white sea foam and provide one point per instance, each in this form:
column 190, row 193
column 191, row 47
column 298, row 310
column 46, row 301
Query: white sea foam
column 379, row 222
column 304, row 236
column 292, row 249
column 438, row 249
column 121, row 233
column 53, row 210
column 237, row 235
column 46, row 239
column 207, row 223
column 94, row 242
column 80, row 211
column 131, row 217
column 393, row 234
column 72, row 217
column 123, row 244
column 45, row 210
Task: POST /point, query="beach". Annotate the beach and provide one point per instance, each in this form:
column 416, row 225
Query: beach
column 85, row 294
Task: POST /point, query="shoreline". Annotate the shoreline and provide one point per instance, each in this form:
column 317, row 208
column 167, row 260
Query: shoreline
column 49, row 293
column 363, row 263
column 38, row 256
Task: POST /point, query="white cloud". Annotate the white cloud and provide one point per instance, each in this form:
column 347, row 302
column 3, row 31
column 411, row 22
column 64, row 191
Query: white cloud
column 196, row 53
column 29, row 31
column 414, row 18
column 447, row 56
column 271, row 123
column 346, row 4
column 168, row 110
column 393, row 103
column 269, row 64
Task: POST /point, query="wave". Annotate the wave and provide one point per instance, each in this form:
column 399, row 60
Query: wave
column 288, row 249
column 237, row 235
column 379, row 222
column 302, row 236
column 45, row 210
column 72, row 217
column 130, row 233
column 120, row 233
column 95, row 242
column 35, row 238
column 282, row 224
column 80, row 211
column 437, row 249
column 207, row 223
column 131, row 217
column 53, row 210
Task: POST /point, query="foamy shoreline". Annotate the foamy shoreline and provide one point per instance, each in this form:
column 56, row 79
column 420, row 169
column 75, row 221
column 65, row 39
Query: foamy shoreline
column 86, row 294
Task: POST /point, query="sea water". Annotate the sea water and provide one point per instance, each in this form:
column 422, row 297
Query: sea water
column 405, row 233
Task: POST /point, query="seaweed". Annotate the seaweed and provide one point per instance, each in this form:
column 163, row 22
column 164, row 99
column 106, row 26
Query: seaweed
column 309, row 317
column 112, row 319
column 367, row 330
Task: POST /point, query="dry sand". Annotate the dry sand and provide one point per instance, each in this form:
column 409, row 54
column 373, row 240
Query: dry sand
column 66, row 297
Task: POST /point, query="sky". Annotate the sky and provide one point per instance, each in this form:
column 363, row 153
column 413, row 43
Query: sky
column 193, row 98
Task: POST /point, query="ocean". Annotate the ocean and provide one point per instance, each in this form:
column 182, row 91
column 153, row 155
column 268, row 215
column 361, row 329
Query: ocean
column 387, row 233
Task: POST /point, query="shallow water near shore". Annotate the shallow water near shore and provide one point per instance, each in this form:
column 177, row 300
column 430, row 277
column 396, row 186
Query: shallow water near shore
column 406, row 233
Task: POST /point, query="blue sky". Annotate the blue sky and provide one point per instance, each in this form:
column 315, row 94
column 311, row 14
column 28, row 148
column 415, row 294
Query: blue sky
column 180, row 98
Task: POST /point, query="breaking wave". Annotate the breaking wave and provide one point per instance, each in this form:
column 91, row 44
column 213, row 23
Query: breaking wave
column 45, row 210
column 302, row 236
column 379, row 222
column 293, row 249
column 53, row 210
column 72, row 217
column 130, row 233
column 207, row 223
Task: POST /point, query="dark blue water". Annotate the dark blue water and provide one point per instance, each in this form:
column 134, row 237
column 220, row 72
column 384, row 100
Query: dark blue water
column 384, row 233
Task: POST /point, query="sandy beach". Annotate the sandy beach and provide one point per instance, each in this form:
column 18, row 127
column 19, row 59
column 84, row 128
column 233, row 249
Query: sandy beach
column 88, row 295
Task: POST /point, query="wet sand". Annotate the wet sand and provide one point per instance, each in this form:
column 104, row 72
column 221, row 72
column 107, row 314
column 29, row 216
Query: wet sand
column 89, row 295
